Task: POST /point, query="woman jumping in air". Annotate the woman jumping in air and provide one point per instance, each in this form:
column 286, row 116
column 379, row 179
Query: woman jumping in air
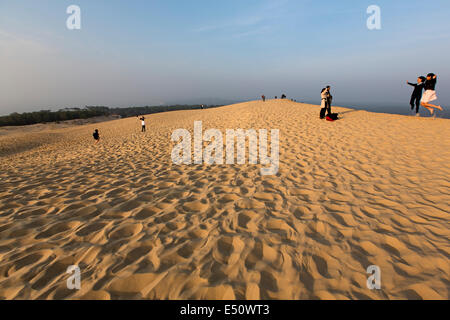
column 430, row 93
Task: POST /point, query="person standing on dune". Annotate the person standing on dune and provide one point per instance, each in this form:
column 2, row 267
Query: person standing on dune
column 323, row 103
column 263, row 98
column 417, row 93
column 142, row 123
column 329, row 99
column 430, row 93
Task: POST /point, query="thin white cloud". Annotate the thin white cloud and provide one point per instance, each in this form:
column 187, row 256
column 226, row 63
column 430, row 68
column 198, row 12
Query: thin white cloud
column 235, row 23
column 270, row 10
column 255, row 32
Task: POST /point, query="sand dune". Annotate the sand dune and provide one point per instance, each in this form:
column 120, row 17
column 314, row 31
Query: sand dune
column 370, row 189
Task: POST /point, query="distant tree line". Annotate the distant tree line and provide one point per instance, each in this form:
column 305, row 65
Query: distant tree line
column 43, row 116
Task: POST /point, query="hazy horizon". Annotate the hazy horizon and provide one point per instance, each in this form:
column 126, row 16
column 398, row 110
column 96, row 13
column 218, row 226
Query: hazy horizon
column 164, row 52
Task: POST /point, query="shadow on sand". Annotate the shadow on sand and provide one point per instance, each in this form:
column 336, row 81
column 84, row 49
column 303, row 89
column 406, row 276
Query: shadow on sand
column 349, row 111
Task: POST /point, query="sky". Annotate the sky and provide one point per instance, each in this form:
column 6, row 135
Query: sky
column 142, row 52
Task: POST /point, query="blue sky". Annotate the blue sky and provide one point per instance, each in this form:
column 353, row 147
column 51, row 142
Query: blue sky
column 151, row 52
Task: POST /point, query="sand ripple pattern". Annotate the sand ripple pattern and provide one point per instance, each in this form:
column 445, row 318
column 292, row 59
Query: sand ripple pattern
column 370, row 189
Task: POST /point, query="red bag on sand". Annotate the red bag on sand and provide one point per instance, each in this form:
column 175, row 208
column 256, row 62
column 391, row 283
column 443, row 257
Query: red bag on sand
column 329, row 119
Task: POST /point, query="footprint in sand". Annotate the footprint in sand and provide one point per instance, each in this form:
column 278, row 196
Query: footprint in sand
column 58, row 228
column 228, row 250
column 147, row 212
column 29, row 261
column 90, row 229
column 196, row 206
column 131, row 258
column 125, row 231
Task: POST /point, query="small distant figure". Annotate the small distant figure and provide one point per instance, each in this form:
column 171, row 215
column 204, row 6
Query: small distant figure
column 263, row 98
column 323, row 103
column 276, row 97
column 326, row 100
column 96, row 136
column 202, row 107
column 417, row 94
column 142, row 123
column 430, row 93
column 329, row 99
column 283, row 96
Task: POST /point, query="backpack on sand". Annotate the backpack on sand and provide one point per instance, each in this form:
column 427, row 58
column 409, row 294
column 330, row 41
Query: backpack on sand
column 332, row 117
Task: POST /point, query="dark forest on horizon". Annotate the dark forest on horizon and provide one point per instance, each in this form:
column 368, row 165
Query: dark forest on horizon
column 45, row 116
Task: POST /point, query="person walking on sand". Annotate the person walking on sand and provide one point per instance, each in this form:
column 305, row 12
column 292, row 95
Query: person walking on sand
column 263, row 98
column 430, row 93
column 417, row 93
column 96, row 136
column 142, row 123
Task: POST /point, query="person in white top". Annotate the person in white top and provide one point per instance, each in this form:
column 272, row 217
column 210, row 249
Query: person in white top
column 142, row 123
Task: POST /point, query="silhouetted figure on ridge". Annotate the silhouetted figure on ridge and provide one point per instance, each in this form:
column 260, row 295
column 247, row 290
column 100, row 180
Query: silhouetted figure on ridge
column 417, row 93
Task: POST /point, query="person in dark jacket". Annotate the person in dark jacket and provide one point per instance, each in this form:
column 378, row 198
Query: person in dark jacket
column 329, row 99
column 430, row 93
column 96, row 136
column 417, row 93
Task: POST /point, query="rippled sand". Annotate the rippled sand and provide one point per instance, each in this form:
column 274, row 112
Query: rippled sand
column 370, row 189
